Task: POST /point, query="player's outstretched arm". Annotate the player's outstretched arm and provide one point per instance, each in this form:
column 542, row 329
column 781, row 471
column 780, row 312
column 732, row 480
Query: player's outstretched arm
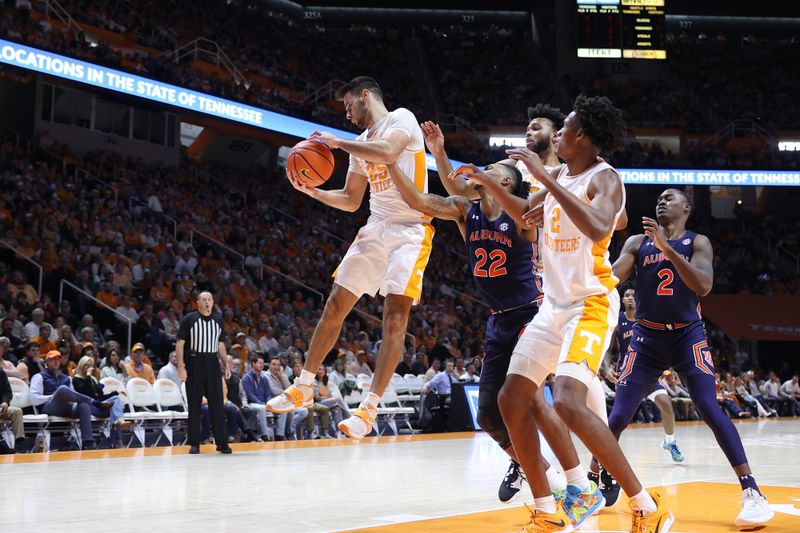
column 452, row 208
column 434, row 141
column 347, row 199
column 697, row 274
column 626, row 262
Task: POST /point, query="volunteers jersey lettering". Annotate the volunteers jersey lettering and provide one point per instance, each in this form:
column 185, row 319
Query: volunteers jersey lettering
column 661, row 294
column 385, row 201
column 574, row 266
column 536, row 186
column 501, row 261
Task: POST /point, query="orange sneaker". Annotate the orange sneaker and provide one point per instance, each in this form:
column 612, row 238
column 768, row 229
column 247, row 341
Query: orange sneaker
column 360, row 424
column 658, row 521
column 542, row 522
column 294, row 397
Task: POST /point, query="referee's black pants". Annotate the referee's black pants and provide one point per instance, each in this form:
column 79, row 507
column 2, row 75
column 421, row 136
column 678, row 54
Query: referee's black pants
column 204, row 378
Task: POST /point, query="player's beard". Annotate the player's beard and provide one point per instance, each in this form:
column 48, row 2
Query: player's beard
column 539, row 146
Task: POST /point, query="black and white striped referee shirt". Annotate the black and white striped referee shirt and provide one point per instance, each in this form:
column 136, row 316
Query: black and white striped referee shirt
column 202, row 334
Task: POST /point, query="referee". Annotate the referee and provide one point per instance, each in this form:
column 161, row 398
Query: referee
column 200, row 340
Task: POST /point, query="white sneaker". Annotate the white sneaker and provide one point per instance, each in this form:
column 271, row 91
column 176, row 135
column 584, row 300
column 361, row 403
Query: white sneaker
column 294, row 397
column 755, row 509
column 360, row 424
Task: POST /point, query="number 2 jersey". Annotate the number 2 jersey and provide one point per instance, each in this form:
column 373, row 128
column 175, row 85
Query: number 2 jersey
column 502, row 261
column 661, row 295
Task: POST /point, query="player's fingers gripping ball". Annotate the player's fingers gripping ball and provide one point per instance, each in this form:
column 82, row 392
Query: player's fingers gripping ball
column 310, row 162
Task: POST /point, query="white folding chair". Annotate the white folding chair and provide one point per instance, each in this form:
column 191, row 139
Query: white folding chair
column 21, row 399
column 141, row 394
column 391, row 410
column 168, row 394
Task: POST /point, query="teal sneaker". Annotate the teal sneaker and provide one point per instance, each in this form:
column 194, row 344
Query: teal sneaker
column 581, row 505
column 672, row 448
column 560, row 496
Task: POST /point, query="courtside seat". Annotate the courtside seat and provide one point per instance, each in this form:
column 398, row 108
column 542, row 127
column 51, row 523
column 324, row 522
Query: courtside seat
column 168, row 394
column 141, row 394
column 44, row 424
column 20, row 398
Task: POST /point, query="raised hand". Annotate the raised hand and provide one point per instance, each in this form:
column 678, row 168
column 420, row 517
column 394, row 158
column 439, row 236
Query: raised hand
column 434, row 138
column 656, row 233
column 326, row 138
column 531, row 160
column 535, row 217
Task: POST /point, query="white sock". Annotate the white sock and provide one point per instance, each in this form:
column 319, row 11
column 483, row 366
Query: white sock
column 669, row 438
column 372, row 399
column 306, row 377
column 546, row 505
column 556, row 479
column 643, row 502
column 577, row 476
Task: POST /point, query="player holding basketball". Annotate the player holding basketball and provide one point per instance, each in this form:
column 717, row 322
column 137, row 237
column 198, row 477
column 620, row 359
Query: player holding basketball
column 573, row 328
column 390, row 252
column 674, row 267
column 657, row 395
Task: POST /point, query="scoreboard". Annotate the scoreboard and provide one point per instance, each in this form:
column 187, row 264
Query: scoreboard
column 621, row 29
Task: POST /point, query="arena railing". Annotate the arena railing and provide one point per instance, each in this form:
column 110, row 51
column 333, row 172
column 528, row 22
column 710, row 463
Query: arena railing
column 29, row 260
column 97, row 302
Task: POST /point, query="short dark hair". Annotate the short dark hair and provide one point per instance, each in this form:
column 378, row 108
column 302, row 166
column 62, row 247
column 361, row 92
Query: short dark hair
column 685, row 197
column 358, row 84
column 600, row 121
column 553, row 114
column 272, row 357
column 522, row 188
column 628, row 285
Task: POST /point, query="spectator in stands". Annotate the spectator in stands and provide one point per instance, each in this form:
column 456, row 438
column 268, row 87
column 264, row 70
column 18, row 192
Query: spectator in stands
column 442, row 382
column 747, row 399
column 8, row 332
column 18, row 286
column 268, row 341
column 681, row 401
column 8, row 368
column 170, row 325
column 238, row 397
column 774, row 397
column 361, row 364
column 124, row 308
column 278, row 382
column 12, row 414
column 84, row 382
column 51, row 391
column 727, row 400
column 96, row 337
column 32, row 328
column 16, row 330
column 137, row 368
column 114, row 368
column 324, row 395
column 256, row 387
column 419, row 367
column 43, row 338
column 404, row 366
column 170, row 370
column 791, row 391
column 31, row 364
column 433, row 371
column 470, row 375
column 67, row 338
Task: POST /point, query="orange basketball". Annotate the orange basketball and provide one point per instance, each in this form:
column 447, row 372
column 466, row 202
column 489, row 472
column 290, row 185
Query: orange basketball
column 311, row 161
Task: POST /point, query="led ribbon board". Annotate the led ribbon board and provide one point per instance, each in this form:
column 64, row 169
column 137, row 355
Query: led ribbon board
column 37, row 60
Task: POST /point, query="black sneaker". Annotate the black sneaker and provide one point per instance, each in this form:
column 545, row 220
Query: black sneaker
column 512, row 483
column 594, row 476
column 609, row 487
column 194, row 450
column 224, row 449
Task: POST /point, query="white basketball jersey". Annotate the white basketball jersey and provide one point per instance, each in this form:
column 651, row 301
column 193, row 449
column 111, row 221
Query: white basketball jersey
column 536, row 186
column 385, row 201
column 575, row 267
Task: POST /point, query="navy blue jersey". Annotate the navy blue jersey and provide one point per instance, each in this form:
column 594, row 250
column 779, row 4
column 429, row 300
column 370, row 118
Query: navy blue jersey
column 661, row 294
column 624, row 333
column 502, row 262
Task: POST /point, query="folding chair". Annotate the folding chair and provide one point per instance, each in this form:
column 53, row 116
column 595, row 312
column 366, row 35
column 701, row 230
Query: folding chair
column 168, row 394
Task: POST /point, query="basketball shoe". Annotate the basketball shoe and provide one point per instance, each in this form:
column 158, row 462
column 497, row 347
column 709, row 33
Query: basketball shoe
column 755, row 509
column 672, row 448
column 579, row 505
column 542, row 522
column 658, row 521
column 294, row 397
column 609, row 487
column 360, row 424
column 512, row 484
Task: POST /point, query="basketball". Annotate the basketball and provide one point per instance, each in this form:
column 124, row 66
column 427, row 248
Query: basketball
column 311, row 161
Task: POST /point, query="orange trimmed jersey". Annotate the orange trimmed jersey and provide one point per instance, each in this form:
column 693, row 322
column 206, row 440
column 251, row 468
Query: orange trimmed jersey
column 574, row 266
column 385, row 201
